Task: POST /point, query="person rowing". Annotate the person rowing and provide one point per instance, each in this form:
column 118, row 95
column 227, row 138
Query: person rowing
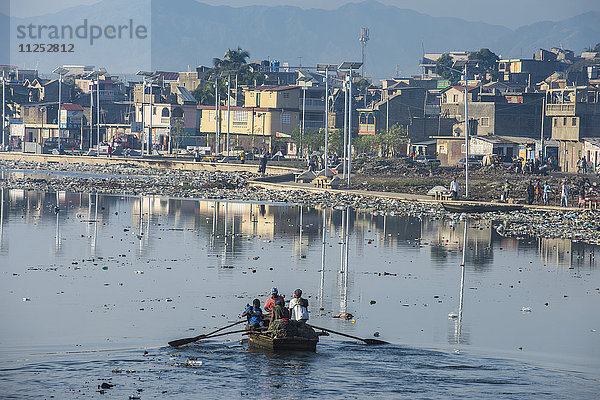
column 298, row 307
column 271, row 300
column 279, row 311
column 254, row 315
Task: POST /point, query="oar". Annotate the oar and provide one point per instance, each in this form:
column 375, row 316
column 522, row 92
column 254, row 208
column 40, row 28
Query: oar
column 181, row 342
column 367, row 341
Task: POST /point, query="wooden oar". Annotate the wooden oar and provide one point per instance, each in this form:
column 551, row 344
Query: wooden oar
column 181, row 342
column 367, row 341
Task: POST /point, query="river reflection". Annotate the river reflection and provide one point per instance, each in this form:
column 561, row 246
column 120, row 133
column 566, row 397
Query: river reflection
column 423, row 282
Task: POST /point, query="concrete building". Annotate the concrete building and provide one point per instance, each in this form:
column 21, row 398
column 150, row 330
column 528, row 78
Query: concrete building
column 495, row 113
column 575, row 116
column 270, row 112
column 398, row 105
column 428, row 62
column 174, row 117
column 529, row 71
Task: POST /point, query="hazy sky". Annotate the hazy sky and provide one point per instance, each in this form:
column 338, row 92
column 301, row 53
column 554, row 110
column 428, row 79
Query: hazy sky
column 510, row 13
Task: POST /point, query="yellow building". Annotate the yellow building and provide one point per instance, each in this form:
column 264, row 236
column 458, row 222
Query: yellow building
column 269, row 112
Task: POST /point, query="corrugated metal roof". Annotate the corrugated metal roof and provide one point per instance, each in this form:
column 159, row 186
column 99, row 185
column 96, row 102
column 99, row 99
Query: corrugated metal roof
column 185, row 95
column 275, row 88
column 168, row 75
column 71, row 107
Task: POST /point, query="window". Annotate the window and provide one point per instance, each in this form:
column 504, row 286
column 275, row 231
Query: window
column 555, row 121
column 574, row 122
column 211, row 115
column 284, row 118
column 564, row 121
column 286, row 95
column 240, row 116
column 165, row 112
column 177, row 112
column 153, row 110
column 455, row 98
column 485, row 122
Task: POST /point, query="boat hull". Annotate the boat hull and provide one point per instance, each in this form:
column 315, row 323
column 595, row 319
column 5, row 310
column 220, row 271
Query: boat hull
column 295, row 343
column 480, row 208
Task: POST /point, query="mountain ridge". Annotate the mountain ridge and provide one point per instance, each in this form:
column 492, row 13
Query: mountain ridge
column 188, row 32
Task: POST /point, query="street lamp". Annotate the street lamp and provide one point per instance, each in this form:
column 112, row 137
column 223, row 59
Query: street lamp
column 304, row 88
column 261, row 115
column 326, row 68
column 146, row 139
column 228, row 74
column 5, row 69
column 465, row 64
column 349, row 66
column 91, row 76
column 60, row 71
column 217, row 119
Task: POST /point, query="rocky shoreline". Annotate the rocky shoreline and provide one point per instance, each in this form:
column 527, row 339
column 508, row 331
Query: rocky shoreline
column 578, row 225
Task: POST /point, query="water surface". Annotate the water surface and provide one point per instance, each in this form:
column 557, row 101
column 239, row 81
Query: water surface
column 86, row 289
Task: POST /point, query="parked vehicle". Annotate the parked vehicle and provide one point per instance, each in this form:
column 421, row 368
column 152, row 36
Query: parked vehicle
column 475, row 160
column 428, row 160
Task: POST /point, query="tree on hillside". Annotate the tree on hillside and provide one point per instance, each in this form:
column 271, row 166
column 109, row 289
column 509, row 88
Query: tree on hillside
column 487, row 62
column 442, row 68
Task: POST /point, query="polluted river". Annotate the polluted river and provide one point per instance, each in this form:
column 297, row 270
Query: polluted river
column 93, row 287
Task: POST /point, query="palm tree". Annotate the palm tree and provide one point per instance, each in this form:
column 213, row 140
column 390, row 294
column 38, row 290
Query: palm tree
column 233, row 59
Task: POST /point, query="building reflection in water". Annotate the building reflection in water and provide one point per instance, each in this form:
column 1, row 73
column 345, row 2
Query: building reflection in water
column 225, row 223
column 2, row 246
column 324, row 244
column 58, row 240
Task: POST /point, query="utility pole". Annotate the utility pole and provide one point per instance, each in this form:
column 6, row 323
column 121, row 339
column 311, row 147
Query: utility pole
column 350, row 130
column 98, row 115
column 59, row 107
column 228, row 111
column 345, row 126
column 364, row 38
column 303, row 116
column 217, row 115
column 92, row 115
column 3, row 110
column 325, row 161
column 543, row 150
column 151, row 116
column 143, row 112
column 466, row 133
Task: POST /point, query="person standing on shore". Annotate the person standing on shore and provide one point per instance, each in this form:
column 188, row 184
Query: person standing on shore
column 262, row 169
column 454, row 189
column 564, row 195
column 530, row 193
column 547, row 189
column 506, row 191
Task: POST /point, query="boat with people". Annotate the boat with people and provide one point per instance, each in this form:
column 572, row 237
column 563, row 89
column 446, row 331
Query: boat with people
column 264, row 341
column 283, row 329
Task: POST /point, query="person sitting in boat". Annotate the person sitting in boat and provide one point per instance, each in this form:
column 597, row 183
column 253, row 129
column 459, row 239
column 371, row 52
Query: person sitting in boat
column 271, row 300
column 254, row 315
column 279, row 311
column 298, row 307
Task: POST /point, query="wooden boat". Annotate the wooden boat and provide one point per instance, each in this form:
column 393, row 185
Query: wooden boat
column 480, row 208
column 293, row 343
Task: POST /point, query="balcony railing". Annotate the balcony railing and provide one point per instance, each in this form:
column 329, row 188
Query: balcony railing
column 560, row 109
